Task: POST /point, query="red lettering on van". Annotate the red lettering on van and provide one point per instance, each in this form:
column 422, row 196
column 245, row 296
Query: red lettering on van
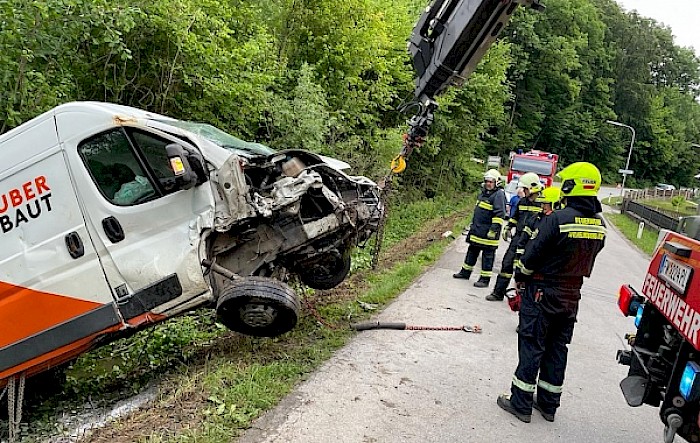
column 28, row 191
column 15, row 197
column 41, row 185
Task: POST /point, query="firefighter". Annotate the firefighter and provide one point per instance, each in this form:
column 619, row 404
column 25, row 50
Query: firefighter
column 560, row 254
column 550, row 199
column 525, row 211
column 484, row 232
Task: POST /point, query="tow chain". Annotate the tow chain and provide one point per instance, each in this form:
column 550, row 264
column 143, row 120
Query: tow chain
column 414, row 138
column 366, row 326
column 312, row 310
column 379, row 239
column 15, row 398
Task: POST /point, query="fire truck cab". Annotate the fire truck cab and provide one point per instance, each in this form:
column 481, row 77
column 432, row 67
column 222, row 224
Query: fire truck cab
column 664, row 354
column 544, row 164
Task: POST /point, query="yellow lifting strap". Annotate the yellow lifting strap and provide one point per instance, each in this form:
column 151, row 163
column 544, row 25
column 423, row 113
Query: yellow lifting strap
column 398, row 164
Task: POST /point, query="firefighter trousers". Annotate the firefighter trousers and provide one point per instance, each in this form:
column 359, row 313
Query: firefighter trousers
column 507, row 265
column 488, row 257
column 542, row 350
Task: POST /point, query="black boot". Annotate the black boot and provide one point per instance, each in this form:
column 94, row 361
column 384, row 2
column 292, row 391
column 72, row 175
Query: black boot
column 546, row 415
column 499, row 291
column 463, row 274
column 503, row 401
column 483, row 282
column 494, row 296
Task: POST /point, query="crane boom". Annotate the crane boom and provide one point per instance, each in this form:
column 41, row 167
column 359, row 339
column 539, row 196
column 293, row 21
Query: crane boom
column 447, row 43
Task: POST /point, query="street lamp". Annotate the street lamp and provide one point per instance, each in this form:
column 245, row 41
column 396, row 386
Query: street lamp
column 626, row 171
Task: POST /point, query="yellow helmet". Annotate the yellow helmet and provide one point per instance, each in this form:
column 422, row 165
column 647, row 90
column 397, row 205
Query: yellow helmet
column 550, row 195
column 581, row 179
column 530, row 181
column 493, row 174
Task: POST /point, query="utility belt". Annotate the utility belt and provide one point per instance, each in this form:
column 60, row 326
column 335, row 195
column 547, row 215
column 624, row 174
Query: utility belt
column 555, row 280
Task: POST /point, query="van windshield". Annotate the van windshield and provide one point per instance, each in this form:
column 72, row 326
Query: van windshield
column 539, row 167
column 221, row 138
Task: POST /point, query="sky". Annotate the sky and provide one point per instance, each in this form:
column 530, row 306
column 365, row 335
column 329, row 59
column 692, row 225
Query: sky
column 682, row 16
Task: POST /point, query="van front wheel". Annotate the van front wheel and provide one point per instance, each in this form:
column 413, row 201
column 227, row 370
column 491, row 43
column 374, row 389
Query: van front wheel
column 258, row 306
column 328, row 272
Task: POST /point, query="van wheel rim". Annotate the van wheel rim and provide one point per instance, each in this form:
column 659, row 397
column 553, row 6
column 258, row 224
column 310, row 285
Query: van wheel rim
column 258, row 315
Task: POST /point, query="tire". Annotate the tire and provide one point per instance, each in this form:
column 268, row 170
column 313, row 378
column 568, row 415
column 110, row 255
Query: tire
column 326, row 273
column 258, row 306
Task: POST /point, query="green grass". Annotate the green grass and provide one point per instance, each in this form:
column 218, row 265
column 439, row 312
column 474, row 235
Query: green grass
column 628, row 226
column 683, row 207
column 612, row 201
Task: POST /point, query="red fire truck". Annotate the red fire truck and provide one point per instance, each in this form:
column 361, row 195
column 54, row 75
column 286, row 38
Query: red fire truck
column 664, row 354
column 541, row 163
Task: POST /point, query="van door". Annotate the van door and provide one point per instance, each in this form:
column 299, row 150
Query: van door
column 54, row 298
column 149, row 229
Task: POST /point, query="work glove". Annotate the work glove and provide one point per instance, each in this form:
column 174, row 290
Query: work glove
column 507, row 233
column 492, row 235
column 513, row 298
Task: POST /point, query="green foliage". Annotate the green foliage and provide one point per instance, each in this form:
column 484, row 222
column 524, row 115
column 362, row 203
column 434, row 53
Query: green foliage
column 678, row 200
column 304, row 120
column 329, row 76
column 127, row 364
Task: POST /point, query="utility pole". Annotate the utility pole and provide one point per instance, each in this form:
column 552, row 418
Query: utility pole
column 625, row 172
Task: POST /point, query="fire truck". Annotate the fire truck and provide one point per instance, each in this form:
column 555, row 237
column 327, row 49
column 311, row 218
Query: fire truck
column 664, row 353
column 541, row 163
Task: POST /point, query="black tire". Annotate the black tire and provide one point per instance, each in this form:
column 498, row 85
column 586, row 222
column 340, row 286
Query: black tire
column 258, row 306
column 326, row 273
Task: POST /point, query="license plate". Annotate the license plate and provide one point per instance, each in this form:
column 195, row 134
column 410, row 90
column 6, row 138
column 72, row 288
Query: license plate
column 675, row 273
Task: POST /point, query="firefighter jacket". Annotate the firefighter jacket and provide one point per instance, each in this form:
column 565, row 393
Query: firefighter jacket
column 525, row 213
column 527, row 231
column 489, row 218
column 562, row 251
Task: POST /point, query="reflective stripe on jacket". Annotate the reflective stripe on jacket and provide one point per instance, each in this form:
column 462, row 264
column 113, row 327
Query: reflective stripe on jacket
column 564, row 245
column 489, row 216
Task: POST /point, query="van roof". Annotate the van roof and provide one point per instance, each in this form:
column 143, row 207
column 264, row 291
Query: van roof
column 109, row 110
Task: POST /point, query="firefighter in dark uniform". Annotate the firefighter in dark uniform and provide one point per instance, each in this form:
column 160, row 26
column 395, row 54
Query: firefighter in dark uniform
column 525, row 211
column 550, row 199
column 485, row 230
column 560, row 254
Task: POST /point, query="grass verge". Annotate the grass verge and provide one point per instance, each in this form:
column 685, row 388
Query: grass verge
column 612, row 201
column 629, row 227
column 676, row 206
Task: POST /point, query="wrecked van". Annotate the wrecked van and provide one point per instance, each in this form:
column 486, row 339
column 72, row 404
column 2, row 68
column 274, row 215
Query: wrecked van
column 113, row 218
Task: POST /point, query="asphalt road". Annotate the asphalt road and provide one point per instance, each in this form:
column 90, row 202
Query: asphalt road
column 409, row 386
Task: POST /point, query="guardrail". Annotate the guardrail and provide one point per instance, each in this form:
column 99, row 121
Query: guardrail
column 640, row 194
column 656, row 218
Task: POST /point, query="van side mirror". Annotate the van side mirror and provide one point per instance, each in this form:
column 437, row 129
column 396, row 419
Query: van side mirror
column 184, row 176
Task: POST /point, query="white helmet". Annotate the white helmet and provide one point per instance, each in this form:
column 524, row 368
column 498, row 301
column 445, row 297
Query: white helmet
column 530, row 181
column 493, row 174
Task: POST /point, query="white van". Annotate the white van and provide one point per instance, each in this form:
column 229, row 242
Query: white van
column 113, row 218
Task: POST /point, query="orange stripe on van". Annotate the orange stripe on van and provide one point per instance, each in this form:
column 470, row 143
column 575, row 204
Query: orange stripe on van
column 25, row 312
column 56, row 357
